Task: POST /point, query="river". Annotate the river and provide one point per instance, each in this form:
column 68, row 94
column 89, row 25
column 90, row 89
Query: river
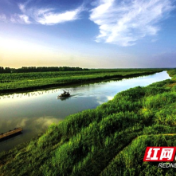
column 35, row 111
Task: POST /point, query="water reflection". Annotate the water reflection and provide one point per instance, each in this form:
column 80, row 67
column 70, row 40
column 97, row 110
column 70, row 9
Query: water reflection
column 35, row 111
column 27, row 94
column 32, row 127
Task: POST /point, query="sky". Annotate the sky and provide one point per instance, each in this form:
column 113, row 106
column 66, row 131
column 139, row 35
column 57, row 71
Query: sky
column 88, row 33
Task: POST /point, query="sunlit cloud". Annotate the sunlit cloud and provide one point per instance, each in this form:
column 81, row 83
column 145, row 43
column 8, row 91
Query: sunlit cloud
column 125, row 22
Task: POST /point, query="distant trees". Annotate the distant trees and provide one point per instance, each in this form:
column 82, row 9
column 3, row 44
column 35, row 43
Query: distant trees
column 5, row 70
column 39, row 69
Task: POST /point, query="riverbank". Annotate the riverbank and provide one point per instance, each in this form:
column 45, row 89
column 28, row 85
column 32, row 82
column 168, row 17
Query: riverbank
column 108, row 140
column 22, row 82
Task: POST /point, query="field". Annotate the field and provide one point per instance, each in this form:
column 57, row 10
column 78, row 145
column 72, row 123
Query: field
column 13, row 82
column 107, row 141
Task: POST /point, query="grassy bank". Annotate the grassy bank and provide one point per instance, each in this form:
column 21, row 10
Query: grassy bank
column 15, row 82
column 107, row 141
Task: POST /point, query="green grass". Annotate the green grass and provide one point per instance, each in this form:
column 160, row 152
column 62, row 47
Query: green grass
column 107, row 141
column 13, row 82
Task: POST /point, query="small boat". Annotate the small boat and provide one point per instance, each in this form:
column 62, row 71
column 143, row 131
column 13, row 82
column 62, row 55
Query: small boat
column 10, row 133
column 64, row 94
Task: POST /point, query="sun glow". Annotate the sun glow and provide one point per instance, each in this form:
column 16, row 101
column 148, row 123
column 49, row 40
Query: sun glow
column 14, row 52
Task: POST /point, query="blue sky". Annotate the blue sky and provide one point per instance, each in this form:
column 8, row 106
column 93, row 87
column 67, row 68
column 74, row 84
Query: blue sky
column 92, row 34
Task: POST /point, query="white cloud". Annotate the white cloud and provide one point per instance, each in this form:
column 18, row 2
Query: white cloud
column 47, row 17
column 16, row 18
column 123, row 22
column 2, row 17
column 22, row 7
column 24, row 19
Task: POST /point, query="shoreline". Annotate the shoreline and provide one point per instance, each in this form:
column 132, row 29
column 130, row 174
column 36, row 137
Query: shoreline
column 74, row 82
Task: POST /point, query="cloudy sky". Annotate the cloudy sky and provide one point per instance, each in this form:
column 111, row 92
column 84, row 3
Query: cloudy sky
column 88, row 33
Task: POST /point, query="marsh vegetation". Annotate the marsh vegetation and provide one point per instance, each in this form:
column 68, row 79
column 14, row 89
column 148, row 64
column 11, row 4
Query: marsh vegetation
column 108, row 140
column 14, row 82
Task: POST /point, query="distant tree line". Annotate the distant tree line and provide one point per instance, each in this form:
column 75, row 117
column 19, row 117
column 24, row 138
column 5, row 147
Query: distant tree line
column 39, row 69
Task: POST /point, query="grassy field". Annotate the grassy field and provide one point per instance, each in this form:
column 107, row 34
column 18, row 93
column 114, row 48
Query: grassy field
column 107, row 141
column 13, row 82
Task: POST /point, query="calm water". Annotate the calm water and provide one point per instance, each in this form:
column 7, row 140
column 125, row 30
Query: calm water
column 35, row 111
